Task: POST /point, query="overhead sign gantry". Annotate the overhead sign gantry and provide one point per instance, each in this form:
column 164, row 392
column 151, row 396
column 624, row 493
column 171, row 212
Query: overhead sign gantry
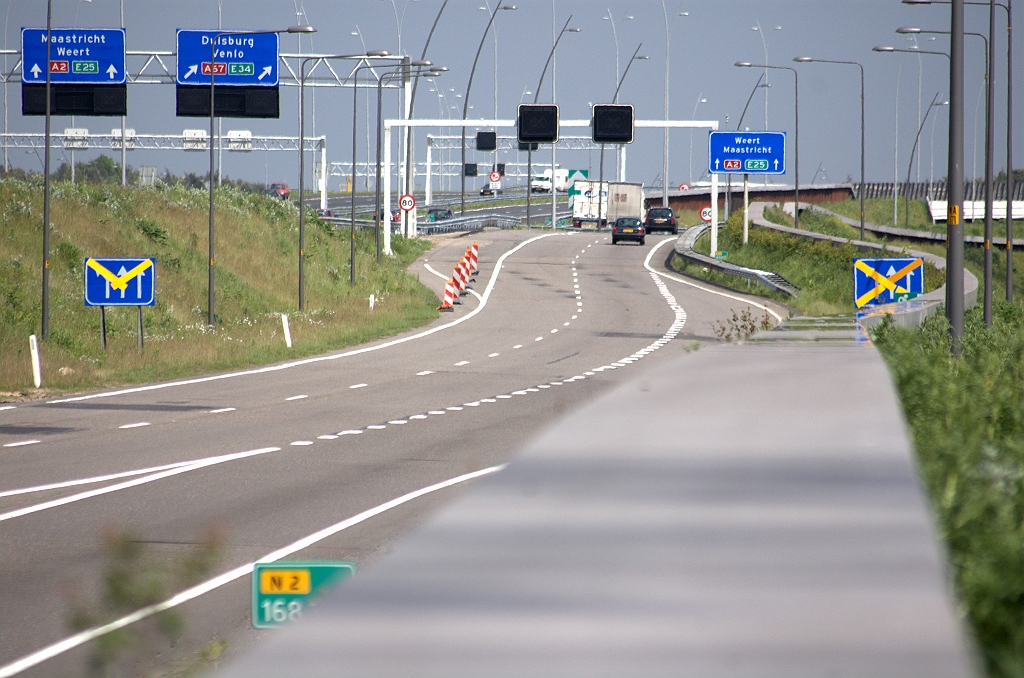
column 87, row 71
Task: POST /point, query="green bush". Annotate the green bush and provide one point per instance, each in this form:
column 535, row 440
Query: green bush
column 966, row 415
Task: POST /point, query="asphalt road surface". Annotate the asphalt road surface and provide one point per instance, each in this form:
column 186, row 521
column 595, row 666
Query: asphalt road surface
column 272, row 456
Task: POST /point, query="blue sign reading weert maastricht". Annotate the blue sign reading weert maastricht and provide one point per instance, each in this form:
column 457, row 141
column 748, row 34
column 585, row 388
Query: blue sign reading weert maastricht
column 78, row 56
column 249, row 59
column 747, row 152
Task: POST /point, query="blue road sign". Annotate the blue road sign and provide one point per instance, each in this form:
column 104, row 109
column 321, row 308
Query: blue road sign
column 78, row 56
column 883, row 281
column 120, row 282
column 249, row 60
column 747, row 152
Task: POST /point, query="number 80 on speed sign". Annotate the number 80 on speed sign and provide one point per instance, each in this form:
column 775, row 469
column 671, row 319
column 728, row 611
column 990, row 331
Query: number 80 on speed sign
column 407, row 202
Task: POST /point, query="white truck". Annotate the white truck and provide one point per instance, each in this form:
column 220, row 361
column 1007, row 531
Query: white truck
column 615, row 200
column 542, row 182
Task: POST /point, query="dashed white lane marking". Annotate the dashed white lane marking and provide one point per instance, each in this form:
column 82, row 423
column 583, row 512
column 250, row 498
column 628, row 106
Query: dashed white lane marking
column 454, row 408
column 358, row 385
column 398, row 421
column 302, row 442
column 8, row 407
column 543, row 385
column 518, row 346
column 327, row 436
column 138, row 424
column 351, row 432
column 554, row 331
column 488, row 400
column 376, row 427
column 190, row 466
column 22, row 442
column 223, row 409
column 298, row 397
column 565, row 324
column 461, row 363
column 424, row 373
column 539, row 339
column 71, row 642
column 494, row 355
column 572, row 318
column 418, row 416
column 504, row 397
column 518, row 392
column 475, row 403
column 491, row 282
column 436, row 412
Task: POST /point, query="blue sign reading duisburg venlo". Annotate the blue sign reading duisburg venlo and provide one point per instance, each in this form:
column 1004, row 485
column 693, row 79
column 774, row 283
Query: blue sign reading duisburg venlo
column 238, row 59
column 78, row 56
column 747, row 152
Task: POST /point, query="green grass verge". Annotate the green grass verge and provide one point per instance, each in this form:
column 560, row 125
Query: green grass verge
column 256, row 281
column 879, row 211
column 966, row 416
column 822, row 271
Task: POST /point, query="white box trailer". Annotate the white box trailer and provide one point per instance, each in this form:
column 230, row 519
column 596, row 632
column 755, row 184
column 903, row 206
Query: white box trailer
column 615, row 200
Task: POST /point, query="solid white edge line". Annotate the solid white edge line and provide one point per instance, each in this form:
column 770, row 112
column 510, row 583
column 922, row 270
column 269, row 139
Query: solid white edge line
column 308, row 361
column 23, row 442
column 132, row 483
column 647, row 265
column 94, row 479
column 51, row 651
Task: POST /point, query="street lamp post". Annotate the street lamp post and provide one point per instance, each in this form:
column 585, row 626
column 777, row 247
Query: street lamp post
column 465, row 101
column 954, row 175
column 45, row 322
column 402, row 72
column 746, row 177
column 700, row 100
column 859, row 65
column 1009, row 116
column 529, row 151
column 615, row 99
column 933, row 104
column 213, row 51
column 989, row 152
column 796, row 125
column 302, row 166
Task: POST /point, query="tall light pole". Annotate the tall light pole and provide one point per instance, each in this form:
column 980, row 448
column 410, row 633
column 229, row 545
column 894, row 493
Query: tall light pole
column 45, row 329
column 700, row 100
column 465, row 101
column 934, row 104
column 796, row 126
column 536, row 96
column 615, row 36
column 302, row 164
column 989, row 153
column 213, row 138
column 1008, row 8
column 861, row 67
column 746, row 177
column 615, row 99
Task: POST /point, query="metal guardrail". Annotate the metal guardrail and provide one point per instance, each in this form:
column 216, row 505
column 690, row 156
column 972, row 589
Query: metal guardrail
column 468, row 223
column 773, row 281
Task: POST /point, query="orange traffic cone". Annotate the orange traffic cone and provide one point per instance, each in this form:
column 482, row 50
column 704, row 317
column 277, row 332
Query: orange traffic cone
column 449, row 296
column 475, row 259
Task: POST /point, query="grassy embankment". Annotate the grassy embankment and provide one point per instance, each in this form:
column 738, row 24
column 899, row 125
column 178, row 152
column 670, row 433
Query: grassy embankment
column 822, row 271
column 257, row 280
column 966, row 416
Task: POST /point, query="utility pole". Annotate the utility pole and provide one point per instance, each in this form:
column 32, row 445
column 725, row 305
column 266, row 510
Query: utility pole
column 955, row 180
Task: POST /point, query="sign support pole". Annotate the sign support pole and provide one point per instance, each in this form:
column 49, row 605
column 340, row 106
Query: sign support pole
column 746, row 206
column 714, row 214
column 141, row 340
column 103, row 327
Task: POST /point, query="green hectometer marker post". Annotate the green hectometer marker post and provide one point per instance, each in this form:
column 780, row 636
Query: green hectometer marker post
column 281, row 592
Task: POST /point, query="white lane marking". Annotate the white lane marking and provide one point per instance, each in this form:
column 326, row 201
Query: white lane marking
column 518, row 392
column 82, row 637
column 298, row 397
column 493, row 355
column 223, row 409
column 454, row 408
column 8, row 407
column 461, row 363
column 376, row 427
column 556, row 383
column 22, row 442
column 327, row 436
column 418, row 416
column 572, row 318
column 539, row 339
column 565, row 324
column 492, row 281
column 398, row 421
column 475, row 403
column 436, row 412
column 94, row 479
column 504, row 397
column 302, row 442
column 543, row 385
column 351, row 432
column 135, row 425
column 488, row 400
column 579, row 304
column 518, row 346
column 555, row 331
column 358, row 385
column 533, row 390
column 201, row 463
column 444, row 277
column 424, row 373
column 647, row 265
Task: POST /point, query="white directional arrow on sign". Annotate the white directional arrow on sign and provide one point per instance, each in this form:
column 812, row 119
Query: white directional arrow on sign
column 35, row 70
column 716, row 163
column 776, row 163
column 119, row 274
column 191, row 70
column 111, row 71
column 266, row 72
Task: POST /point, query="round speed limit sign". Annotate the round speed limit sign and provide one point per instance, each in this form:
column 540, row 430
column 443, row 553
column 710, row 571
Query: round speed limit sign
column 705, row 213
column 407, row 202
column 495, row 177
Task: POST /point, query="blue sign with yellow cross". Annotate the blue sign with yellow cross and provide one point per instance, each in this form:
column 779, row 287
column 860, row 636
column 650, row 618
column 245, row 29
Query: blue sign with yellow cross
column 120, row 282
column 883, row 281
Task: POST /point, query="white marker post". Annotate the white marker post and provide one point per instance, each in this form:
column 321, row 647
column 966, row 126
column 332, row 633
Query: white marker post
column 287, row 330
column 37, row 372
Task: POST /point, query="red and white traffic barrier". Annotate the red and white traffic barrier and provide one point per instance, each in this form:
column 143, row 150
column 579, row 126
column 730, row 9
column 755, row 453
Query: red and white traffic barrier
column 474, row 258
column 450, row 292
